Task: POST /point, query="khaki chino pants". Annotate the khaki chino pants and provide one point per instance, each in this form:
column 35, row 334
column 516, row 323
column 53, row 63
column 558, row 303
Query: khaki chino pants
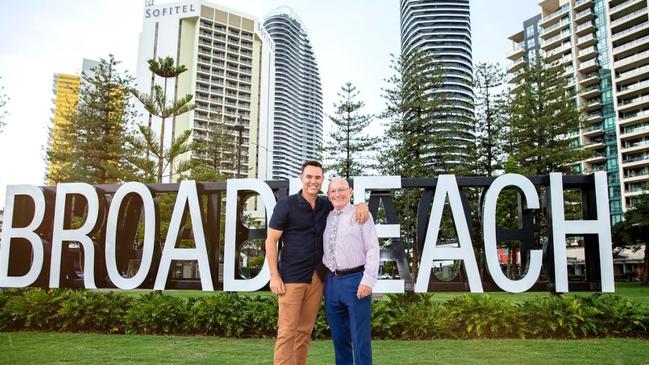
column 298, row 309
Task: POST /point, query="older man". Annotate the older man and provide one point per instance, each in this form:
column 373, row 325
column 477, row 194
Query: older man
column 351, row 253
column 296, row 272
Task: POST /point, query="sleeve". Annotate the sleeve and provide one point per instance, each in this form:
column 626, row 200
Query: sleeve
column 372, row 251
column 279, row 219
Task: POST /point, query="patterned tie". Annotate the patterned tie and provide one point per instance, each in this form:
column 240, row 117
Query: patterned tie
column 332, row 237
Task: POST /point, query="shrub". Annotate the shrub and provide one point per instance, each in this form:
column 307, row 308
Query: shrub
column 557, row 317
column 478, row 316
column 403, row 316
column 156, row 313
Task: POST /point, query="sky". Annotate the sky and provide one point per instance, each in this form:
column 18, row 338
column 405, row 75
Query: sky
column 353, row 41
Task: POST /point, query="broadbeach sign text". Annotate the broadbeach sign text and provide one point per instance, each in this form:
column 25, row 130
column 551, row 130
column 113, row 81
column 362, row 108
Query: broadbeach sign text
column 37, row 231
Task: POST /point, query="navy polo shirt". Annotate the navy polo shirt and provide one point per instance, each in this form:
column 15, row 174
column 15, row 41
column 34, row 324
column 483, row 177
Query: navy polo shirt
column 302, row 227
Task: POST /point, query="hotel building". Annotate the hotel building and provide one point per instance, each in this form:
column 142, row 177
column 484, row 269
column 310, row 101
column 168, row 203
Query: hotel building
column 297, row 134
column 443, row 28
column 229, row 57
column 604, row 48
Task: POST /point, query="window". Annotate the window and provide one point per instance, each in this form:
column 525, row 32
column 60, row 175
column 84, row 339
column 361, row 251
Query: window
column 530, row 30
column 531, row 55
column 531, row 43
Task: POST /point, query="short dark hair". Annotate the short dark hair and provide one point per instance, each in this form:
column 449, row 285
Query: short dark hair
column 311, row 163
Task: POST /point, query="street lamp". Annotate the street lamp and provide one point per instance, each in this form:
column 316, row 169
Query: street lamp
column 239, row 127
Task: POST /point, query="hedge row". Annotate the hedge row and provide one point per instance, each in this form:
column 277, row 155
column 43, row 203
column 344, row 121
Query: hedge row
column 412, row 316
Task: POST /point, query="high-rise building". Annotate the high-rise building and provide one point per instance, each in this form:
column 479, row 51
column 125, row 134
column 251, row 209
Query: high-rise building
column 443, row 28
column 229, row 57
column 604, row 47
column 66, row 97
column 297, row 134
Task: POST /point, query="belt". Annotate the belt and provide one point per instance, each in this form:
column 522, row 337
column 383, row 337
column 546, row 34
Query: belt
column 349, row 271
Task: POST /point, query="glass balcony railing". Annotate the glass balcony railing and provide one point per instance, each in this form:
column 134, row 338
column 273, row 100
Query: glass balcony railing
column 628, row 16
column 636, row 57
column 636, row 128
column 623, row 5
column 633, row 72
column 628, row 31
column 637, row 85
column 639, row 99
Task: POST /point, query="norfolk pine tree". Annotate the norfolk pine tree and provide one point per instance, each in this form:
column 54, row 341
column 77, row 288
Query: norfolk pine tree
column 543, row 114
column 156, row 104
column 97, row 129
column 210, row 152
column 3, row 102
column 491, row 114
column 409, row 147
column 347, row 142
column 633, row 231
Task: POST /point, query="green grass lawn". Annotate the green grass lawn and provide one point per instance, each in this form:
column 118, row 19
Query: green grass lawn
column 40, row 348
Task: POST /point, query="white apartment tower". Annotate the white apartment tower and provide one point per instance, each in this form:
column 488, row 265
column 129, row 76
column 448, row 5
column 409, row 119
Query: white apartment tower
column 297, row 134
column 229, row 57
column 443, row 28
column 604, row 48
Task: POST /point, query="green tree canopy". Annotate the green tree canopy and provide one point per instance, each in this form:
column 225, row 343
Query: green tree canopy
column 96, row 151
column 347, row 145
column 544, row 122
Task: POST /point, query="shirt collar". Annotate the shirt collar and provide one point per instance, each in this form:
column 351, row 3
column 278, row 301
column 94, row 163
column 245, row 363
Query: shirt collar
column 347, row 208
column 303, row 201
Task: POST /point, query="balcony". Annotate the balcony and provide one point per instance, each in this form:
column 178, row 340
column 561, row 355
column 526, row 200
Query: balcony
column 549, row 18
column 628, row 18
column 633, row 89
column 555, row 53
column 586, row 40
column 631, row 47
column 517, row 65
column 554, row 41
column 588, row 66
column 589, row 79
column 592, row 104
column 631, row 62
column 584, row 29
column 625, row 5
column 590, row 92
column 584, row 15
column 594, row 143
column 548, row 32
column 594, row 117
column 586, row 54
column 635, row 131
column 583, row 4
column 633, row 75
column 633, row 117
column 517, row 51
column 631, row 104
column 593, row 131
column 598, row 157
column 630, row 33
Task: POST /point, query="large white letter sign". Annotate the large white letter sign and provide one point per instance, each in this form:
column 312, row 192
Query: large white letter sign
column 9, row 232
column 489, row 231
column 60, row 234
column 186, row 194
column 148, row 208
column 600, row 226
column 229, row 251
column 447, row 186
column 361, row 185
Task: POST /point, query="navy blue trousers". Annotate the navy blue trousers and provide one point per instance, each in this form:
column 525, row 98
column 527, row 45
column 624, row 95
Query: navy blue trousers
column 349, row 319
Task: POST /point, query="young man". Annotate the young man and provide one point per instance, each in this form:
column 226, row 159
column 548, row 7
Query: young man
column 351, row 253
column 296, row 274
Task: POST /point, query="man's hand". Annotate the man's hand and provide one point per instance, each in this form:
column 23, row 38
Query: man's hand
column 362, row 213
column 276, row 285
column 363, row 291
